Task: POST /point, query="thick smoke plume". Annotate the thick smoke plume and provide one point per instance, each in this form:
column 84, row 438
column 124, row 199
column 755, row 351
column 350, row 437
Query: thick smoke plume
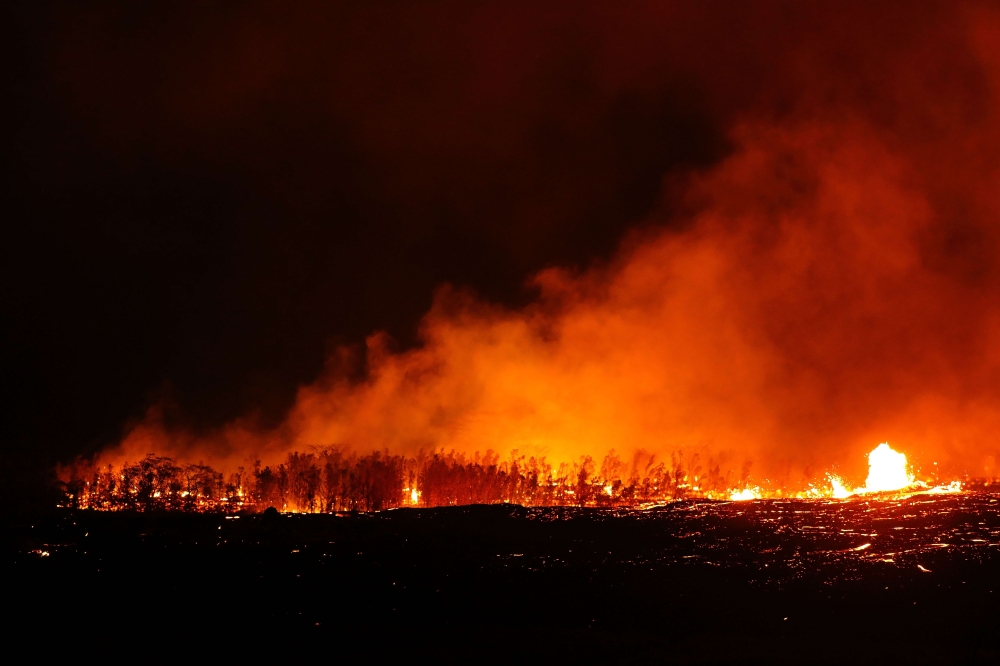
column 830, row 285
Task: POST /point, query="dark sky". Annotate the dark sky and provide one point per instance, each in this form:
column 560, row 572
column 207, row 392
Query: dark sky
column 206, row 198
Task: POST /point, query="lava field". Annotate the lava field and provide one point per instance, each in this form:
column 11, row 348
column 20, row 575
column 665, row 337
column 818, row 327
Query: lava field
column 868, row 580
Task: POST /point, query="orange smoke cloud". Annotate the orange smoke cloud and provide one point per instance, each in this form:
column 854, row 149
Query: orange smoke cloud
column 834, row 287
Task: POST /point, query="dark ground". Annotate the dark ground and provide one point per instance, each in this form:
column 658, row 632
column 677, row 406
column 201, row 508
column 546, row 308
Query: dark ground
column 769, row 582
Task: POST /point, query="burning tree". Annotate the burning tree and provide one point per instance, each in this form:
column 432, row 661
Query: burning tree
column 332, row 480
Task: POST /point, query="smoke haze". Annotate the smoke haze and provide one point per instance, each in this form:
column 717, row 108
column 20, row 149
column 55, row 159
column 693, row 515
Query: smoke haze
column 760, row 232
column 831, row 287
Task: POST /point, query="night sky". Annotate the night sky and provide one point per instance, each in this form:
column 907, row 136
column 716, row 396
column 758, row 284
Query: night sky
column 206, row 199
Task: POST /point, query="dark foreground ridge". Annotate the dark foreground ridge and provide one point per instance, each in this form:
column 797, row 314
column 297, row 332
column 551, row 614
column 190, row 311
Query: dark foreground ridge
column 911, row 581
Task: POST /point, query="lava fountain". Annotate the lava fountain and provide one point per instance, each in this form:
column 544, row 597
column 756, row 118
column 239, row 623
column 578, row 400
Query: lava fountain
column 887, row 470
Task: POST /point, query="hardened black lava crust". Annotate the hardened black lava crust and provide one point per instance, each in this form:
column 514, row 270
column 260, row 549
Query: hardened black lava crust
column 882, row 581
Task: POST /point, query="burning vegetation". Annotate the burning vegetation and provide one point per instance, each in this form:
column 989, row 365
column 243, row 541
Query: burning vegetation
column 333, row 480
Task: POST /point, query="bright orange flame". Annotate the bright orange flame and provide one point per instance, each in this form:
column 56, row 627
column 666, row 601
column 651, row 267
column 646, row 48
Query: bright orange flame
column 887, row 470
column 839, row 488
column 745, row 494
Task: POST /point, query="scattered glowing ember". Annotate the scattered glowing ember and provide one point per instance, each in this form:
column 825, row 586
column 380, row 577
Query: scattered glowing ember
column 840, row 489
column 953, row 487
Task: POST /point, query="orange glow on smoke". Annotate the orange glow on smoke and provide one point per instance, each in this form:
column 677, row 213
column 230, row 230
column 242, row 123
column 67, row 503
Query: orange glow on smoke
column 830, row 286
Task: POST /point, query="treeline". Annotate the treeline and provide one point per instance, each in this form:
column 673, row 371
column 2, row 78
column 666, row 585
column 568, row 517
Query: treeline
column 331, row 480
